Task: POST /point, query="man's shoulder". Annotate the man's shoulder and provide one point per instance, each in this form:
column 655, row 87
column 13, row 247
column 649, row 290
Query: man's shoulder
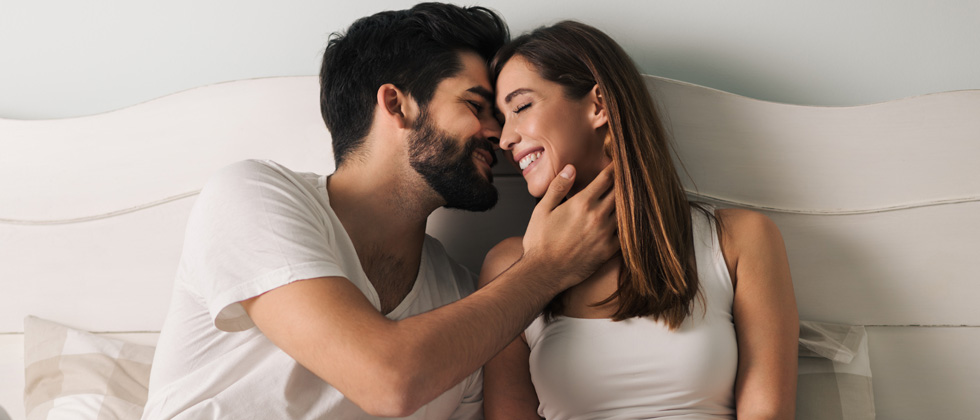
column 251, row 170
column 250, row 178
column 252, row 199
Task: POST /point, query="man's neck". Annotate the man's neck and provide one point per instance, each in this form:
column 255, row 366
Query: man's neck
column 380, row 206
column 384, row 211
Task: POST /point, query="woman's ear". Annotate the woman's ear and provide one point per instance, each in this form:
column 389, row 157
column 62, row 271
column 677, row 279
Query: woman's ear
column 396, row 106
column 598, row 112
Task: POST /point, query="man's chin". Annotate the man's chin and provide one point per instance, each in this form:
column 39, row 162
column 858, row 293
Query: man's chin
column 484, row 169
column 487, row 175
column 486, row 201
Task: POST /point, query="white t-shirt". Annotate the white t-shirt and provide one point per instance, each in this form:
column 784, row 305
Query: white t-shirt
column 638, row 368
column 257, row 226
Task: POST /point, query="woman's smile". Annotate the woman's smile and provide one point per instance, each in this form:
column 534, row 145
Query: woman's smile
column 528, row 159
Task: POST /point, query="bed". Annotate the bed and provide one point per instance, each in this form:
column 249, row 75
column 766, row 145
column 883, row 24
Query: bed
column 878, row 205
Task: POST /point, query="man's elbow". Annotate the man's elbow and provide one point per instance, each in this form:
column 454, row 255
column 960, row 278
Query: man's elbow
column 394, row 394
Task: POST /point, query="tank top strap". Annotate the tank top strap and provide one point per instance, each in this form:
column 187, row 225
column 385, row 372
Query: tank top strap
column 716, row 282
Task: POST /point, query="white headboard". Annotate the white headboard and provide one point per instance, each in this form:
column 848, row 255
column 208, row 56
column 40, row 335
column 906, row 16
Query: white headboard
column 878, row 205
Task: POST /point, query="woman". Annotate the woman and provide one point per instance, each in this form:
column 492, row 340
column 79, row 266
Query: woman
column 695, row 319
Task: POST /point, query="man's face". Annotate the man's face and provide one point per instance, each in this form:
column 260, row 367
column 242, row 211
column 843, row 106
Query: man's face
column 450, row 145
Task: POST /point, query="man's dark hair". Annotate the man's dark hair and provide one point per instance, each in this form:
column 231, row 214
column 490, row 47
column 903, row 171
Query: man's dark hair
column 413, row 49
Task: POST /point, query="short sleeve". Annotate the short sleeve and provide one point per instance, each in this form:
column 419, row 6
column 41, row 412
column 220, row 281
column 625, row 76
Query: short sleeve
column 256, row 226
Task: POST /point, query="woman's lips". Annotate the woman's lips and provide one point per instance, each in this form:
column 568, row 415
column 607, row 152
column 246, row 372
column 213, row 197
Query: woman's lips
column 528, row 157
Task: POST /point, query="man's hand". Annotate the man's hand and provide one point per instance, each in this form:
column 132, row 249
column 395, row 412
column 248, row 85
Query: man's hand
column 572, row 239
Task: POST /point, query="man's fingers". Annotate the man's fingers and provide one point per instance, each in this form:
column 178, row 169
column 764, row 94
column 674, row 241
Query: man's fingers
column 558, row 189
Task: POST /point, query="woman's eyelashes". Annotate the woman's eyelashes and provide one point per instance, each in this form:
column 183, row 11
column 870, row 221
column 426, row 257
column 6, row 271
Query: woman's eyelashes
column 522, row 107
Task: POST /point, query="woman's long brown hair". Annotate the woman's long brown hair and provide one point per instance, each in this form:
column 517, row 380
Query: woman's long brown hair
column 659, row 276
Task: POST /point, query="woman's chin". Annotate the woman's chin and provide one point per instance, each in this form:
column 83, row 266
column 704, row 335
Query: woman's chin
column 536, row 192
column 537, row 183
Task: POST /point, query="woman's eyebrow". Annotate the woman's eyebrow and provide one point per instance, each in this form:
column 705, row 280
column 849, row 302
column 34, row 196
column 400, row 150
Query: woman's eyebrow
column 510, row 96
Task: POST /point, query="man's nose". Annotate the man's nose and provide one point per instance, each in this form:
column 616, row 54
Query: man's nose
column 494, row 142
column 492, row 132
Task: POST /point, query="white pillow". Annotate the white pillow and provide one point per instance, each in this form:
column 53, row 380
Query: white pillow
column 834, row 381
column 72, row 374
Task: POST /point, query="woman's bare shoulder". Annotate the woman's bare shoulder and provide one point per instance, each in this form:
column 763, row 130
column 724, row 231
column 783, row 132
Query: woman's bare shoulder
column 744, row 227
column 747, row 235
column 500, row 258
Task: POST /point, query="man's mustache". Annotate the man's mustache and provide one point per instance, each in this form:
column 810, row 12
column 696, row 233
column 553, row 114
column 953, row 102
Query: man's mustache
column 484, row 144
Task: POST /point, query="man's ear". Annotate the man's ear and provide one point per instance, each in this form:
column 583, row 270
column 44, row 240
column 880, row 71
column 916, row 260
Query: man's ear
column 396, row 106
column 598, row 113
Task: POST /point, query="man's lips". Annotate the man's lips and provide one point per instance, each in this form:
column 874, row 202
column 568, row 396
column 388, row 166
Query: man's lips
column 487, row 156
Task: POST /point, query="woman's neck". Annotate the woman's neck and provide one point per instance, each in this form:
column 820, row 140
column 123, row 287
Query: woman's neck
column 578, row 299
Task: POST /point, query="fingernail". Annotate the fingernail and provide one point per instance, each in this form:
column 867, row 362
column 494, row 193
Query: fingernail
column 567, row 172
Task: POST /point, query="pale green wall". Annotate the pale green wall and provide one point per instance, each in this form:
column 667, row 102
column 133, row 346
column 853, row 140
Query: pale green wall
column 65, row 58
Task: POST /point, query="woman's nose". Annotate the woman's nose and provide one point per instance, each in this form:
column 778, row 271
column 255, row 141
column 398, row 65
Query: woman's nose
column 508, row 138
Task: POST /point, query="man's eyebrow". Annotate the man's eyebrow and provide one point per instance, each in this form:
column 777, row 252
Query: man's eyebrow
column 482, row 91
column 510, row 96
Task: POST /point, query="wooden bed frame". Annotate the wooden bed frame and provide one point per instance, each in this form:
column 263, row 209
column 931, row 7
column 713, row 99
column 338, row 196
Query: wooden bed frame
column 879, row 206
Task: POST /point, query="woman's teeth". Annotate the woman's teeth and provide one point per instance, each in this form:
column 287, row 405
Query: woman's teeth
column 527, row 160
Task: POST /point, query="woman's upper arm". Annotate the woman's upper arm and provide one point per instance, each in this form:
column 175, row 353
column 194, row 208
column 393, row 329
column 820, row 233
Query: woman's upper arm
column 500, row 258
column 765, row 315
column 508, row 392
column 507, row 389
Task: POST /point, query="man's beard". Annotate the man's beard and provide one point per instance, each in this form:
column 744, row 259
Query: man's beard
column 452, row 173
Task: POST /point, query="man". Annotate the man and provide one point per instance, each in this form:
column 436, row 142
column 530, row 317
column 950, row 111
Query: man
column 303, row 296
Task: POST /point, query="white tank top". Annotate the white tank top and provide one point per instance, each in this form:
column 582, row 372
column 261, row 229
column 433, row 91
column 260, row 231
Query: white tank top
column 638, row 368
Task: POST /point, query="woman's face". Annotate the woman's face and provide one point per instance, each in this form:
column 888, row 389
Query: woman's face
column 544, row 130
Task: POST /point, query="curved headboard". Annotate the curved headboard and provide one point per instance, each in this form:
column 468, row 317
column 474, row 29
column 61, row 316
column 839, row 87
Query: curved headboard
column 878, row 205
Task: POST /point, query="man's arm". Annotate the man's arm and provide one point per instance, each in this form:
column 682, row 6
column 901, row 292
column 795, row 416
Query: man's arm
column 392, row 368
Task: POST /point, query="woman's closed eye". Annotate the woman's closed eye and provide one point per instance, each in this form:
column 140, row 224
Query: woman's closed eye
column 522, row 107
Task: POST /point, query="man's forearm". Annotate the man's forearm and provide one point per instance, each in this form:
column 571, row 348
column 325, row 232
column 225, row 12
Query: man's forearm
column 443, row 346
